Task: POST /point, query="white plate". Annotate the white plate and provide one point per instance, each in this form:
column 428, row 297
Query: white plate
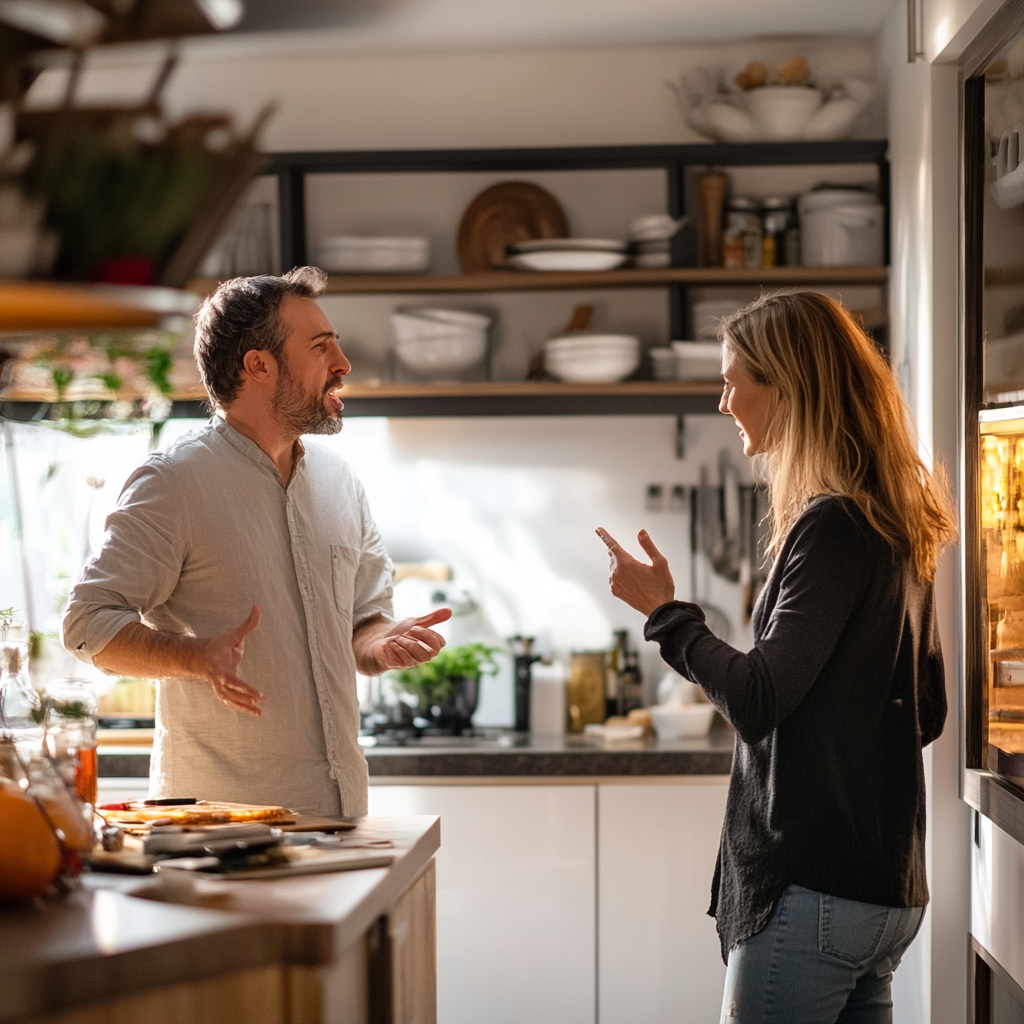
column 562, row 260
column 569, row 245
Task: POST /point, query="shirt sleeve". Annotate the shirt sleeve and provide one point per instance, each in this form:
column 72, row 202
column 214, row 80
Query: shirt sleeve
column 822, row 574
column 138, row 566
column 374, row 574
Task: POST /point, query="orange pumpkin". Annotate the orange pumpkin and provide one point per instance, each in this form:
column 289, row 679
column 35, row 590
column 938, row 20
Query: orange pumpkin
column 29, row 851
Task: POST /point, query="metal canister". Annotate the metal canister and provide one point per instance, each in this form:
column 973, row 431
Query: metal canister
column 742, row 242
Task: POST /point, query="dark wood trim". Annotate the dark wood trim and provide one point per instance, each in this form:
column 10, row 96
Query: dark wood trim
column 996, row 35
column 983, row 969
column 1000, row 802
column 972, row 240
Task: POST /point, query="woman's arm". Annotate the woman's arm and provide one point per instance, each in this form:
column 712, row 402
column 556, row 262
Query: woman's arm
column 824, row 566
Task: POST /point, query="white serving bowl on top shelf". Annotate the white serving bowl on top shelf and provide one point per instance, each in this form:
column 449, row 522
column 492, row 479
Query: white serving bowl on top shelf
column 358, row 254
column 682, row 721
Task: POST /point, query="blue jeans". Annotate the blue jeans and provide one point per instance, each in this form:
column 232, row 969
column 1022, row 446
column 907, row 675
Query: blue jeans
column 819, row 960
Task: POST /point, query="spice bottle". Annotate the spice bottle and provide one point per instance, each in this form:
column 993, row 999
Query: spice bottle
column 742, row 243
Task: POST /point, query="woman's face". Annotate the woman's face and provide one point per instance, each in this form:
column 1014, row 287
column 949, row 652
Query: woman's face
column 749, row 403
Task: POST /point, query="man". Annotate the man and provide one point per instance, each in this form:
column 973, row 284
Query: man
column 239, row 540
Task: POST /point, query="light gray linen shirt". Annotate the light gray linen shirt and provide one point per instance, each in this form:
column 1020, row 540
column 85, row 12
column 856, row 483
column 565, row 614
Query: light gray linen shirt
column 201, row 533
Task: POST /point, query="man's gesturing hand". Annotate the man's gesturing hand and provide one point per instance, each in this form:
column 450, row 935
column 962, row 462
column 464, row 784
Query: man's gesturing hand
column 643, row 587
column 219, row 659
column 380, row 645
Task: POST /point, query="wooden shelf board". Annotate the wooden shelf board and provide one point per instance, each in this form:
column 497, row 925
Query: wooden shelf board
column 523, row 280
column 530, row 388
column 28, row 306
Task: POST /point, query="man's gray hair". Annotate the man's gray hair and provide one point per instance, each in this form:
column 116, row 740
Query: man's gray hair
column 242, row 314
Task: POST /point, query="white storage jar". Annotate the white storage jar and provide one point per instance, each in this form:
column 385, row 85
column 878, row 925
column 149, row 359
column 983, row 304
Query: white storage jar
column 841, row 227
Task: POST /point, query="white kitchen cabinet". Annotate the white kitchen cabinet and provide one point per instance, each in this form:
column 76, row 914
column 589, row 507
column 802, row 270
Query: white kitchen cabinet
column 516, row 915
column 658, row 953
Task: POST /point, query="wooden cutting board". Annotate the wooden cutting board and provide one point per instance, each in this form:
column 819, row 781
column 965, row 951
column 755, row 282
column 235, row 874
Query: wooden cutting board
column 203, row 812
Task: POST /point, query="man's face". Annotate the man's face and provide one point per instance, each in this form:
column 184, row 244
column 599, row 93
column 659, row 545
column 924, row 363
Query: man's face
column 310, row 370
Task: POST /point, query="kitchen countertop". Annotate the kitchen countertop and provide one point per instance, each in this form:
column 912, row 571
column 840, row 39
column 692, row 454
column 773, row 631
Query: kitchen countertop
column 495, row 752
column 105, row 940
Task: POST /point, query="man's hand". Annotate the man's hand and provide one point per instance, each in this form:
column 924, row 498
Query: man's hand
column 380, row 645
column 220, row 658
column 643, row 587
column 137, row 650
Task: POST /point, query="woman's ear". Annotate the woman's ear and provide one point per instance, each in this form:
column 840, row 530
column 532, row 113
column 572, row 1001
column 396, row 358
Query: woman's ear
column 259, row 366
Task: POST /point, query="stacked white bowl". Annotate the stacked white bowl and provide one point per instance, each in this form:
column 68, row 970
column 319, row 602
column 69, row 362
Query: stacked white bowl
column 439, row 344
column 357, row 254
column 592, row 358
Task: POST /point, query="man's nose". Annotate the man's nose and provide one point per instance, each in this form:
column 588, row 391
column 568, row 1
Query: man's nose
column 340, row 364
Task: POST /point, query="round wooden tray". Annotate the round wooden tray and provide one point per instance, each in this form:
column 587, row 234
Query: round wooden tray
column 506, row 213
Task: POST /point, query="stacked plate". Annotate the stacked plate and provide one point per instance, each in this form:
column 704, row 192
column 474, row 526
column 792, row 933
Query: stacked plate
column 568, row 254
column 439, row 344
column 593, row 358
column 355, row 254
column 651, row 239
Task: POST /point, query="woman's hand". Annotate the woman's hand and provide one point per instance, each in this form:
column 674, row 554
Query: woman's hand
column 643, row 587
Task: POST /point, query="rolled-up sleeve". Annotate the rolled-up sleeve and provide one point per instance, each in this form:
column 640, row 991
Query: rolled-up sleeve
column 374, row 575
column 137, row 569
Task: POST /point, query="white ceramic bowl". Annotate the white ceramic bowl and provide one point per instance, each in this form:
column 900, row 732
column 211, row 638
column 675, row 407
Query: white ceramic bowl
column 593, row 343
column 569, row 259
column 354, row 254
column 698, row 360
column 592, row 368
column 781, row 111
column 419, row 324
column 444, row 357
column 679, row 721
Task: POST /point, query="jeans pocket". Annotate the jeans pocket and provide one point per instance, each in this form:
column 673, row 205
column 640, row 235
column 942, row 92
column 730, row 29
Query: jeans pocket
column 850, row 931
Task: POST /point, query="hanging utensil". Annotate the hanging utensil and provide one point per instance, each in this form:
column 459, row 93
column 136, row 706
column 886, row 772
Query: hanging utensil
column 716, row 620
column 725, row 552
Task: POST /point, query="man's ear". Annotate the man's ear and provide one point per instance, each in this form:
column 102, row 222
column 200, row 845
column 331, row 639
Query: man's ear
column 259, row 366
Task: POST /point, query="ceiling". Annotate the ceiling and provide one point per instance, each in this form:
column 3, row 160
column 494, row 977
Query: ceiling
column 390, row 24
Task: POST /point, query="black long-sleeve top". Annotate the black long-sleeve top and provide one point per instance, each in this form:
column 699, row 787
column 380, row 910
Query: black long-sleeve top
column 832, row 707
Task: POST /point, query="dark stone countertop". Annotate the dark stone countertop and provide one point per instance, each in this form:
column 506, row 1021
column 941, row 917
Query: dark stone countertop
column 499, row 752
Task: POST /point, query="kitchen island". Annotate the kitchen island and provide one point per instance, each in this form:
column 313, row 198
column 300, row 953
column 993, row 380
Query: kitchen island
column 341, row 948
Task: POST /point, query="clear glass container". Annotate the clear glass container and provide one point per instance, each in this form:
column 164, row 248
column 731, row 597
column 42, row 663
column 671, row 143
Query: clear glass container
column 741, row 244
column 71, row 734
column 21, row 707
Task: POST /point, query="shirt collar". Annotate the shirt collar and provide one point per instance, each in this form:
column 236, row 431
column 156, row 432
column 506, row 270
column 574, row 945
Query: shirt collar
column 252, row 451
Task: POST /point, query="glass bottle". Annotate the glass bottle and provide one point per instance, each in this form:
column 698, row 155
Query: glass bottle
column 71, row 734
column 778, row 213
column 21, row 707
column 742, row 242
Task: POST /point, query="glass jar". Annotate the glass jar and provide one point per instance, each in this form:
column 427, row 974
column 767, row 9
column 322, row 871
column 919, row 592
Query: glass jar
column 778, row 220
column 742, row 242
column 585, row 699
column 71, row 734
column 21, row 707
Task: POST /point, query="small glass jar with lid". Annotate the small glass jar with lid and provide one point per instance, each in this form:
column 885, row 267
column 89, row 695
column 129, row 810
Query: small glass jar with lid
column 741, row 245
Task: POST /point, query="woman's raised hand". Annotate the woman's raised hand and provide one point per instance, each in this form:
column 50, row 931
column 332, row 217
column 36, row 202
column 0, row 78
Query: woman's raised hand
column 642, row 586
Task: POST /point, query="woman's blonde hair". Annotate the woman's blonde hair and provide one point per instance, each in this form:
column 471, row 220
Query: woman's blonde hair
column 839, row 424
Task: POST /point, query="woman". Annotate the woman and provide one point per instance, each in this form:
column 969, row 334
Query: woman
column 820, row 884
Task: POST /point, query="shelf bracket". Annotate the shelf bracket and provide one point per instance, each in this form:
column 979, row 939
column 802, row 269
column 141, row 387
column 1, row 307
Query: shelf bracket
column 680, row 436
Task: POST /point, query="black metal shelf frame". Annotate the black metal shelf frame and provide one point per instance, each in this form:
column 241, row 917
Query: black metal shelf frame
column 291, row 170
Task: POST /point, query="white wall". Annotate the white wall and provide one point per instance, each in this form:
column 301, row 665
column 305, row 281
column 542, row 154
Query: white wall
column 536, row 97
column 922, row 110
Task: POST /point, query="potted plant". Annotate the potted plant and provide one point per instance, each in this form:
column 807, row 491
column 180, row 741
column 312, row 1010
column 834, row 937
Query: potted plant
column 447, row 687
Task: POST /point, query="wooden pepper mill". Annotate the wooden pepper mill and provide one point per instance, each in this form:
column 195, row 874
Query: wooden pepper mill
column 711, row 188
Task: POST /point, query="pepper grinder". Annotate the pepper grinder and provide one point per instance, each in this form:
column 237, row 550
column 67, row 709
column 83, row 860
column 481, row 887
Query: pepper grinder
column 523, row 661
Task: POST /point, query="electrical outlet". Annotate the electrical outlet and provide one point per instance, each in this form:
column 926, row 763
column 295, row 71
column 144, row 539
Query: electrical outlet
column 655, row 498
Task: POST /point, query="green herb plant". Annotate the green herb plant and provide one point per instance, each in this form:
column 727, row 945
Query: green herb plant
column 434, row 681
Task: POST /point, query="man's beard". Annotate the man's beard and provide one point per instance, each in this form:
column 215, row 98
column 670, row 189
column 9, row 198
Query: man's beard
column 304, row 412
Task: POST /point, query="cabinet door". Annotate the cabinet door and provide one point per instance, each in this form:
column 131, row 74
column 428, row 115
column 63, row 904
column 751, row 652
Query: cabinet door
column 658, row 953
column 515, row 900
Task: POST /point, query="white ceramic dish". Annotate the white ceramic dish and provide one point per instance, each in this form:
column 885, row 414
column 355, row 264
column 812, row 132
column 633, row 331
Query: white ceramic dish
column 569, row 260
column 593, row 342
column 569, row 245
column 698, row 360
column 599, row 368
column 352, row 254
column 462, row 317
column 681, row 721
column 444, row 357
